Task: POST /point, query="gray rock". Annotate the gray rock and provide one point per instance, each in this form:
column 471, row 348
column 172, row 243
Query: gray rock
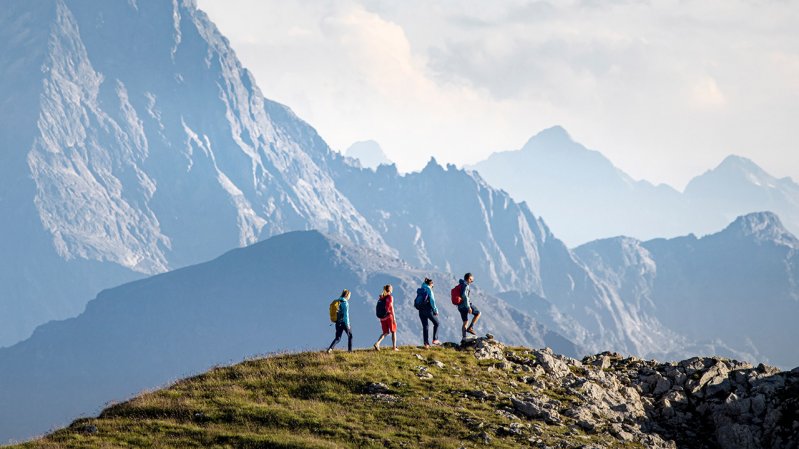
column 737, row 436
column 478, row 394
column 662, row 386
column 551, row 364
column 437, row 364
column 481, row 437
column 724, row 387
column 536, row 409
column 489, row 349
column 602, row 363
column 376, row 388
column 758, row 405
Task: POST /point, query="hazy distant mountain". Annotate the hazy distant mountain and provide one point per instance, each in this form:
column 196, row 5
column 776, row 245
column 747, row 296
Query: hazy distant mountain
column 368, row 153
column 581, row 193
column 134, row 142
column 737, row 289
column 268, row 297
column 739, row 186
column 584, row 196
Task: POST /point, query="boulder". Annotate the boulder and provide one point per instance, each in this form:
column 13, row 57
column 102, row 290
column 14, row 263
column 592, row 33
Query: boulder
column 552, row 364
column 376, row 388
column 536, row 409
column 486, row 348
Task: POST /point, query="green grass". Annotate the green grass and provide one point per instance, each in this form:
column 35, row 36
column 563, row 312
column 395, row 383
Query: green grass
column 316, row 400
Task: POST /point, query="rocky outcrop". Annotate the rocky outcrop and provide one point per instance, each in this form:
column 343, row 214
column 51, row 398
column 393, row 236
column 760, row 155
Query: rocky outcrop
column 702, row 402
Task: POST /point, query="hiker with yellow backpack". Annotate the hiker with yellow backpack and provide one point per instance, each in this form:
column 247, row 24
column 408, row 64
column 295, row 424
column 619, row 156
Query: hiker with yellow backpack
column 340, row 314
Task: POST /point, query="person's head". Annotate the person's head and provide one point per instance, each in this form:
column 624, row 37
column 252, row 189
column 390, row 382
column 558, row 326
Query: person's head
column 428, row 281
column 345, row 294
column 468, row 278
column 387, row 289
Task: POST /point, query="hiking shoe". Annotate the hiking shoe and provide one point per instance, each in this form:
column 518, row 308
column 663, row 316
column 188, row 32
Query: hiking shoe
column 436, row 342
column 471, row 331
column 426, row 346
column 329, row 351
column 396, row 348
column 377, row 348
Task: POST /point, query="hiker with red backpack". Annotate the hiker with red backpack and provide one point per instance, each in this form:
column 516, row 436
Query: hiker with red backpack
column 461, row 296
column 340, row 314
column 385, row 313
column 425, row 303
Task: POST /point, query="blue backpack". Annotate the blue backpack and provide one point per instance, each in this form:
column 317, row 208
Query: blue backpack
column 422, row 299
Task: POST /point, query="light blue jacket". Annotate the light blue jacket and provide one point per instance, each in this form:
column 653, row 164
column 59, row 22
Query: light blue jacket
column 344, row 311
column 466, row 292
column 432, row 298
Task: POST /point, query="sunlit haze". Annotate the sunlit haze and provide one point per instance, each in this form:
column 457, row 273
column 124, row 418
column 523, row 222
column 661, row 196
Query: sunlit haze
column 664, row 89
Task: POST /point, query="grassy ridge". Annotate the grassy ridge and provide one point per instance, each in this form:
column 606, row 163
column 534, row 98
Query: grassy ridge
column 317, row 400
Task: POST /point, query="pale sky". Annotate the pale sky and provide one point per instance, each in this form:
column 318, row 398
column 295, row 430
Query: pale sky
column 665, row 89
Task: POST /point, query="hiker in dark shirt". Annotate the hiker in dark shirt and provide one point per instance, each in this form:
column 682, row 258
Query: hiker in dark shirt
column 343, row 321
column 467, row 306
column 428, row 312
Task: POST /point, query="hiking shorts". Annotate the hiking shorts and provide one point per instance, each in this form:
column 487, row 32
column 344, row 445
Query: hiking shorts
column 389, row 325
column 465, row 312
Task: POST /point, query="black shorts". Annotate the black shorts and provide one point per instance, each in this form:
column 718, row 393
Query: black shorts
column 465, row 312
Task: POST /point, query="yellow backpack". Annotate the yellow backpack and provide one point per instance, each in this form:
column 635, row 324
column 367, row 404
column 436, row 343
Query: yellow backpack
column 334, row 310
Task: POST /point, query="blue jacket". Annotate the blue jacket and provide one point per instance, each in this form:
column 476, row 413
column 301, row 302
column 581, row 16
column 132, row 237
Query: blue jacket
column 466, row 292
column 344, row 311
column 432, row 298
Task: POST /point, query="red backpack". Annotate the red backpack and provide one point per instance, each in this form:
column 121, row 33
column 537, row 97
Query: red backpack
column 456, row 294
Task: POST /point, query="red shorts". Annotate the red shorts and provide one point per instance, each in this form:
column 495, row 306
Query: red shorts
column 389, row 325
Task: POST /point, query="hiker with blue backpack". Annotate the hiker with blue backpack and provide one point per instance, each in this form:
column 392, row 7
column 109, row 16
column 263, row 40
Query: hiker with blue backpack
column 425, row 303
column 340, row 314
column 461, row 297
column 385, row 313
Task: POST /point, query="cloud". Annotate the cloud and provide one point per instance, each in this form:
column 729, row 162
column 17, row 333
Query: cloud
column 684, row 82
column 707, row 93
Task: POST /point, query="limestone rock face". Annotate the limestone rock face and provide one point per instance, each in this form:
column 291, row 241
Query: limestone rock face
column 702, row 402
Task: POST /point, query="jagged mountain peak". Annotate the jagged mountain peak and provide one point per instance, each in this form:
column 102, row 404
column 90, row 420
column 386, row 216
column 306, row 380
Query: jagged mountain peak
column 433, row 165
column 761, row 226
column 733, row 172
column 554, row 133
column 556, row 140
column 617, row 253
column 618, row 242
column 735, row 162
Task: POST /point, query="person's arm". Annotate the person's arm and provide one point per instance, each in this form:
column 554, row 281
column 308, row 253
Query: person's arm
column 465, row 297
column 432, row 299
column 345, row 313
column 465, row 291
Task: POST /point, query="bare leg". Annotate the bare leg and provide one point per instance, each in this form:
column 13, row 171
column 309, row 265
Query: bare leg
column 377, row 344
column 474, row 321
column 394, row 339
